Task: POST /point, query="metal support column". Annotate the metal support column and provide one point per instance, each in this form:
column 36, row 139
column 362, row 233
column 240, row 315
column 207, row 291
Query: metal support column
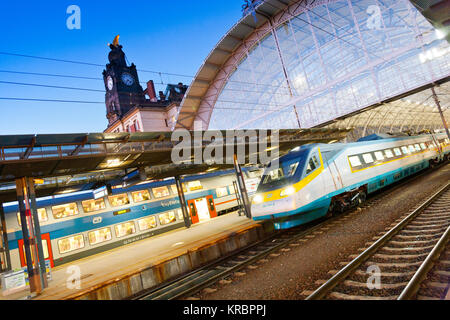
column 29, row 241
column 438, row 103
column 4, row 248
column 37, row 232
column 242, row 188
column 186, row 216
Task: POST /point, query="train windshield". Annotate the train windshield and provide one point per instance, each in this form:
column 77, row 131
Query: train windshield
column 285, row 171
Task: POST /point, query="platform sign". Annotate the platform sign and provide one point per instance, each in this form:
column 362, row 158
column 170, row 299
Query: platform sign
column 48, row 269
column 13, row 282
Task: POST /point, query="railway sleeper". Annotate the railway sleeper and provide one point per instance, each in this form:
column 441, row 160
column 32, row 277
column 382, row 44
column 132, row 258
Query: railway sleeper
column 343, row 296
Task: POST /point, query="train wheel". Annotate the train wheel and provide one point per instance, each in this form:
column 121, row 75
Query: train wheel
column 331, row 210
column 362, row 198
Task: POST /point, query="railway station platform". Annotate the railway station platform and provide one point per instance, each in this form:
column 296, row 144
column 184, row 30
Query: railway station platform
column 128, row 270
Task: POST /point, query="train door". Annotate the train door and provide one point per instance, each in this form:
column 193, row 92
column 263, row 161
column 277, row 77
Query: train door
column 193, row 211
column 202, row 209
column 46, row 247
column 336, row 176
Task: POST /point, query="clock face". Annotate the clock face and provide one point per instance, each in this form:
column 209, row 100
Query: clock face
column 110, row 83
column 127, row 79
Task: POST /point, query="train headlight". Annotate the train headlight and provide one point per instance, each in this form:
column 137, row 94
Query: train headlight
column 258, row 199
column 287, row 192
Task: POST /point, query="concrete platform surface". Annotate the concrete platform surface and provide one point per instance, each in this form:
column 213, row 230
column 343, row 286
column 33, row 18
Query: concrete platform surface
column 146, row 263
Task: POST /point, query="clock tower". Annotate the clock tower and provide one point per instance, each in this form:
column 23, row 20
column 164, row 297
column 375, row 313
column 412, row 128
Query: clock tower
column 123, row 90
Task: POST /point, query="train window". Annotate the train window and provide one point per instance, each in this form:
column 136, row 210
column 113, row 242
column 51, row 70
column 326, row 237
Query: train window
column 368, row 158
column 231, row 189
column 180, row 214
column 175, row 190
column 119, row 200
column 423, row 146
column 93, row 205
column 379, row 156
column 99, row 236
column 412, row 149
column 125, row 229
column 65, row 210
column 312, row 165
column 147, row 223
column 388, row 153
column 355, row 161
column 167, row 218
column 195, row 185
column 293, row 168
column 221, row 192
column 405, row 150
column 140, row 196
column 161, row 192
column 71, row 244
column 397, row 152
column 42, row 214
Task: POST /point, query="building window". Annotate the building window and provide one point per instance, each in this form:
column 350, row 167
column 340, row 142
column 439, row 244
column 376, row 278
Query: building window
column 93, row 205
column 161, row 192
column 71, row 244
column 65, row 210
column 167, row 218
column 119, row 200
column 147, row 223
column 125, row 229
column 42, row 214
column 140, row 196
column 99, row 236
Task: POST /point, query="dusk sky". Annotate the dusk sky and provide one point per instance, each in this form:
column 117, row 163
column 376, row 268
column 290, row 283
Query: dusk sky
column 165, row 36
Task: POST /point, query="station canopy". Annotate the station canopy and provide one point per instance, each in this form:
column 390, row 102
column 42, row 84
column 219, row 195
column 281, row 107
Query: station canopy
column 305, row 63
column 71, row 163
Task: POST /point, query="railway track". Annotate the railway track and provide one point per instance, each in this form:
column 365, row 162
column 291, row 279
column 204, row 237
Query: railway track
column 397, row 266
column 217, row 271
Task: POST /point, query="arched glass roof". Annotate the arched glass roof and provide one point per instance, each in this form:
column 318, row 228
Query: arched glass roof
column 309, row 62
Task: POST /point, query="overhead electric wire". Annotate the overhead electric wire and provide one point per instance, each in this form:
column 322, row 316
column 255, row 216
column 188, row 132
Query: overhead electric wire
column 156, row 83
column 102, row 102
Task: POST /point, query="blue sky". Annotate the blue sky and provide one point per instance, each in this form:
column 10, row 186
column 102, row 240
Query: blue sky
column 168, row 36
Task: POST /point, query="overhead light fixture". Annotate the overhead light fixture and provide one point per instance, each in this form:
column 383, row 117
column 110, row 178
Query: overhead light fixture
column 272, row 148
column 113, row 162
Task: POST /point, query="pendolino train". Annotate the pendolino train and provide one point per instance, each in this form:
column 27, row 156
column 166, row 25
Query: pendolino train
column 77, row 226
column 318, row 180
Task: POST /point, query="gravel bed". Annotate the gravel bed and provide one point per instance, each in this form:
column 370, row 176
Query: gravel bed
column 286, row 276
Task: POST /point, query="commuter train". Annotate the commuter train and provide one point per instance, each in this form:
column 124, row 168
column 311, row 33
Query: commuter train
column 319, row 180
column 78, row 225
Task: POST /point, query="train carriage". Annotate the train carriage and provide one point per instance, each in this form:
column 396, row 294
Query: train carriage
column 318, row 180
column 77, row 226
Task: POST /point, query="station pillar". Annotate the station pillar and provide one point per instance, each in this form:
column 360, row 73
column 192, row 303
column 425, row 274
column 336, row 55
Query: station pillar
column 242, row 188
column 5, row 258
column 184, row 209
column 438, row 104
column 32, row 240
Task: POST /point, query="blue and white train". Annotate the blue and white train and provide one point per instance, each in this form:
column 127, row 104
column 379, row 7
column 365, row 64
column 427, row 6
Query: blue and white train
column 318, row 180
column 77, row 226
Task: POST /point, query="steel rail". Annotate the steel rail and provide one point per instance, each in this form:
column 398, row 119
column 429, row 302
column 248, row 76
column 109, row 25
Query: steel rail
column 326, row 288
column 414, row 284
column 201, row 284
